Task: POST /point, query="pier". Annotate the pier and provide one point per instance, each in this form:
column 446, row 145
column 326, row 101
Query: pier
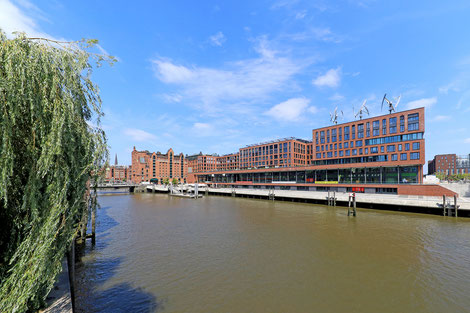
column 422, row 204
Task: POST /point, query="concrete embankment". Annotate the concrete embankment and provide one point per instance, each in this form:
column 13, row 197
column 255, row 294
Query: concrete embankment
column 424, row 204
column 59, row 299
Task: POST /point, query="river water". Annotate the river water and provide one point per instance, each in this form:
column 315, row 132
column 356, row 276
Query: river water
column 156, row 253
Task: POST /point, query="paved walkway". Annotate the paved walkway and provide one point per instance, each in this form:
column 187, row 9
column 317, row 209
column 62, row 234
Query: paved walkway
column 59, row 299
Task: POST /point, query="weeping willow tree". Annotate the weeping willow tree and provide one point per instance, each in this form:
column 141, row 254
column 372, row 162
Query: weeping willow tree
column 50, row 147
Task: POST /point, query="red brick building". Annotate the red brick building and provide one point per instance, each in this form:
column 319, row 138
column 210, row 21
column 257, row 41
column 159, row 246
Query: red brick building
column 228, row 162
column 449, row 164
column 156, row 166
column 286, row 152
column 381, row 154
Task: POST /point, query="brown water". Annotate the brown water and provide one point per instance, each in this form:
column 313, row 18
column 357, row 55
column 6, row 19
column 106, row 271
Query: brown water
column 156, row 253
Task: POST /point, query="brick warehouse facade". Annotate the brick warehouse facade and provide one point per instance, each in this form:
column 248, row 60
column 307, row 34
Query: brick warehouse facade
column 377, row 154
column 147, row 166
column 449, row 164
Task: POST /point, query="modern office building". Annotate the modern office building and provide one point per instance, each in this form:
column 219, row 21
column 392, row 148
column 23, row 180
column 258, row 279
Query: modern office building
column 383, row 154
column 449, row 164
column 156, row 166
column 287, row 152
column 228, row 162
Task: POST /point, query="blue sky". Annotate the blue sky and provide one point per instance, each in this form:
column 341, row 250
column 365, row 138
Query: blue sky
column 214, row 76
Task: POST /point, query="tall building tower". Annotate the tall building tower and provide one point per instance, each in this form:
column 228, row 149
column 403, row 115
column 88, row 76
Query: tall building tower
column 115, row 160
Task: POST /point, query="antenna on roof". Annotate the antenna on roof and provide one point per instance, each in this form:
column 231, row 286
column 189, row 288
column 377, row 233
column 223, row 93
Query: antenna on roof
column 363, row 109
column 391, row 107
column 334, row 116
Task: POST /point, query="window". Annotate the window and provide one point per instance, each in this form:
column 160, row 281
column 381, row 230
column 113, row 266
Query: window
column 318, row 155
column 413, row 122
column 403, row 156
column 393, row 125
column 360, row 151
column 333, row 135
column 341, row 153
column 374, row 150
column 328, row 136
column 395, row 157
column 352, row 144
column 354, row 152
column 391, row 148
column 359, row 143
column 384, row 126
column 402, row 123
column 407, row 147
column 346, row 132
column 366, row 150
column 329, row 154
column 415, row 145
column 340, row 145
column 347, row 152
column 400, row 147
column 353, row 132
column 360, row 131
column 375, row 128
column 368, row 129
column 322, row 136
column 382, row 149
column 414, row 156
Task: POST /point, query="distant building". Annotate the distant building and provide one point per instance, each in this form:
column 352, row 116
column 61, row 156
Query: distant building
column 118, row 173
column 449, row 164
column 156, row 167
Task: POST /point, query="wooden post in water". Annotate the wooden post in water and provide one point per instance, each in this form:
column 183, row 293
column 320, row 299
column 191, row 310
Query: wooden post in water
column 93, row 218
column 354, row 195
column 71, row 267
column 455, row 206
column 444, row 204
column 349, row 204
column 334, row 198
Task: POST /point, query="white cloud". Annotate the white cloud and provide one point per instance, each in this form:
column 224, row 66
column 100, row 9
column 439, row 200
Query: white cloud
column 172, row 98
column 300, row 15
column 332, row 79
column 313, row 109
column 139, row 134
column 217, row 39
column 171, row 73
column 22, row 18
column 425, row 102
column 202, row 130
column 290, row 110
column 317, row 33
column 336, row 97
column 439, row 118
column 245, row 81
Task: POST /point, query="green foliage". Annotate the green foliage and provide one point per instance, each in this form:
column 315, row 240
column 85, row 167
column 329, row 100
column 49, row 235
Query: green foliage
column 50, row 146
column 175, row 181
column 454, row 177
column 166, row 181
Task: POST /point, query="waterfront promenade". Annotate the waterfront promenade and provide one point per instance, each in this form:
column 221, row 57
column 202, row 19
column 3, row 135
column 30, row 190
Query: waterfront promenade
column 363, row 199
